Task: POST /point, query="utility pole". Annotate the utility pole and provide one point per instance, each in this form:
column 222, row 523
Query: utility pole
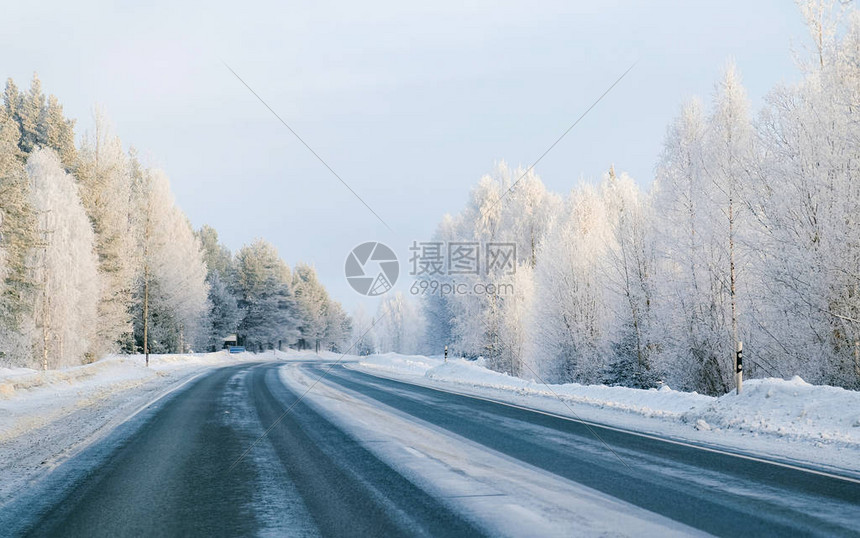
column 46, row 299
column 45, row 330
column 146, row 236
column 146, row 310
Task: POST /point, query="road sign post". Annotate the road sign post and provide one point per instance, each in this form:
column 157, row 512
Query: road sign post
column 739, row 366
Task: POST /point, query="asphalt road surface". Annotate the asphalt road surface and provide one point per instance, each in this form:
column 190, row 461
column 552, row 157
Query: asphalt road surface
column 180, row 470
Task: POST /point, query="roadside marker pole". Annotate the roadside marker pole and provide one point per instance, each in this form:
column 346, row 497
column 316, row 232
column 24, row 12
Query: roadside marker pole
column 446, row 353
column 739, row 366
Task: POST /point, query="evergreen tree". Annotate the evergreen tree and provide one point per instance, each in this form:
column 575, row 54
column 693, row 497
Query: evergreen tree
column 263, row 284
column 29, row 114
column 18, row 236
column 338, row 329
column 225, row 314
column 57, row 132
column 312, row 303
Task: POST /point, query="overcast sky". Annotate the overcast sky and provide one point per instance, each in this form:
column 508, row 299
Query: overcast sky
column 409, row 102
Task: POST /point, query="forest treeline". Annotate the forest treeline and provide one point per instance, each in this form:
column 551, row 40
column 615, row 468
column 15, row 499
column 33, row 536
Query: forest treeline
column 92, row 244
column 750, row 231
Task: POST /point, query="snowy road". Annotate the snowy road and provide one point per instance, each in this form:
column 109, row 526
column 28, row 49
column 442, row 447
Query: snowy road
column 367, row 456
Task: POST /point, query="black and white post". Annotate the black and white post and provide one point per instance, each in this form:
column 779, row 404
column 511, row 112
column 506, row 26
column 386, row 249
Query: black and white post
column 739, row 366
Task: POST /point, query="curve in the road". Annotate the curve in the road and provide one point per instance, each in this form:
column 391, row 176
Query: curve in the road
column 173, row 476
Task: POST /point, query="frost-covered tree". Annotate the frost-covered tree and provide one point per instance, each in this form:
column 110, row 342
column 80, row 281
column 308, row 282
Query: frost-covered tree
column 312, row 303
column 571, row 317
column 57, row 132
column 682, row 289
column 104, row 176
column 362, row 333
column 18, row 236
column 217, row 257
column 264, row 289
column 809, row 206
column 730, row 154
column 400, row 325
column 40, row 121
column 338, row 329
column 225, row 314
column 506, row 207
column 30, row 110
column 172, row 296
column 704, row 195
column 323, row 324
column 64, row 266
column 630, row 282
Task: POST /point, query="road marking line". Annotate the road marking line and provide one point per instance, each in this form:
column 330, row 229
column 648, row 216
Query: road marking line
column 160, row 396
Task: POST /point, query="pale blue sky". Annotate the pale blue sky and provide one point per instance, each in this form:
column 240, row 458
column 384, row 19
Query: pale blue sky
column 409, row 102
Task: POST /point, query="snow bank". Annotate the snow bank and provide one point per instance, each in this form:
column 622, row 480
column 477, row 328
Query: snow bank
column 47, row 417
column 792, row 408
column 767, row 413
column 399, row 364
column 33, row 398
column 662, row 403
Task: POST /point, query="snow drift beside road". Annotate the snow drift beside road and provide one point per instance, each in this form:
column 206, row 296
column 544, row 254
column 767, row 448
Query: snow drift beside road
column 33, row 398
column 47, row 417
column 767, row 410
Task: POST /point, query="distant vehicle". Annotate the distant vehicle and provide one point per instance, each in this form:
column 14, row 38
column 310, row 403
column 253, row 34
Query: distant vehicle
column 237, row 349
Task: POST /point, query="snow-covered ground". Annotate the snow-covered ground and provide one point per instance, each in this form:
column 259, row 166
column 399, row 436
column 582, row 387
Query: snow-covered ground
column 47, row 417
column 786, row 419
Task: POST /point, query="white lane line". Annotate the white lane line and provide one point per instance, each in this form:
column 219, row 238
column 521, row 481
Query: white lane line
column 160, row 396
column 622, row 430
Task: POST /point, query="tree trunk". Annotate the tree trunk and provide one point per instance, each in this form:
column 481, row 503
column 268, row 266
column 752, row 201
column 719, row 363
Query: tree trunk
column 732, row 288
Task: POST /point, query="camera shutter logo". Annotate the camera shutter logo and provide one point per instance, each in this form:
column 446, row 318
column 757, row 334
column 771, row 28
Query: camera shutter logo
column 371, row 268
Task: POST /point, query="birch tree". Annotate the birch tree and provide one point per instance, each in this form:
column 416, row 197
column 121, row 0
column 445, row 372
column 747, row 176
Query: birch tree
column 65, row 268
column 104, row 176
column 172, row 301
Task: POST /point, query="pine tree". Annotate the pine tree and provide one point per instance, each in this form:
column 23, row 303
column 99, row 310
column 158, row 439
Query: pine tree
column 18, row 234
column 57, row 132
column 338, row 329
column 225, row 314
column 263, row 284
column 30, row 109
column 218, row 258
column 12, row 100
column 312, row 304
